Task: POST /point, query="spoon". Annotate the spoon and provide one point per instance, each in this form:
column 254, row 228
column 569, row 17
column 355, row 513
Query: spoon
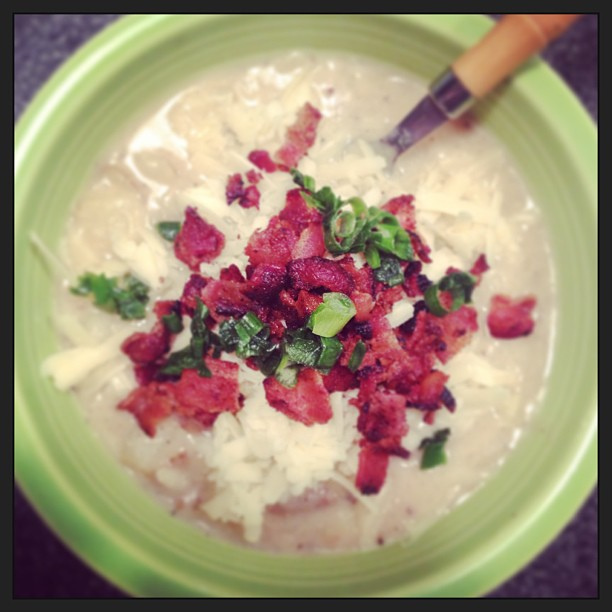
column 511, row 41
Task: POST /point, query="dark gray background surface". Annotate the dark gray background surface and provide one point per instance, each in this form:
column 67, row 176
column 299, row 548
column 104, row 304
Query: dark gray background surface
column 45, row 568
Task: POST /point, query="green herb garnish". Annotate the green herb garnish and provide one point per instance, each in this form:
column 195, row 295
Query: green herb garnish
column 192, row 356
column 127, row 296
column 450, row 293
column 357, row 356
column 173, row 322
column 249, row 337
column 330, row 317
column 389, row 271
column 168, row 230
column 352, row 227
column 433, row 449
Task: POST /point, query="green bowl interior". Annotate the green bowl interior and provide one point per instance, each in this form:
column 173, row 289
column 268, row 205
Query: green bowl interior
column 99, row 511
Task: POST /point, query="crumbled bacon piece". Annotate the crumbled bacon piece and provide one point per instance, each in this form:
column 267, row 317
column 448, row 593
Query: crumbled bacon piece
column 458, row 327
column 248, row 197
column 511, row 318
column 307, row 402
column 150, row 404
column 420, row 248
column 319, row 273
column 480, row 266
column 362, row 277
column 192, row 290
column 428, row 393
column 300, row 136
column 297, row 213
column 311, row 242
column 145, row 348
column 232, row 273
column 363, row 305
column 340, row 378
column 195, row 399
column 262, row 160
column 383, row 417
column 372, row 469
column 272, row 245
column 202, row 399
column 197, row 240
column 226, row 299
column 266, row 281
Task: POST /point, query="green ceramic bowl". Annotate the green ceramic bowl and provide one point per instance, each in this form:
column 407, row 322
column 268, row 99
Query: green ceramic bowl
column 87, row 499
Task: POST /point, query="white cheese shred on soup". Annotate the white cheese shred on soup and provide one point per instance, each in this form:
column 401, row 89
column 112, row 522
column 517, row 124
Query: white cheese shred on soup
column 290, row 344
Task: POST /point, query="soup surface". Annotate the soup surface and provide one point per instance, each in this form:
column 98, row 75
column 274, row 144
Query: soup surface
column 253, row 467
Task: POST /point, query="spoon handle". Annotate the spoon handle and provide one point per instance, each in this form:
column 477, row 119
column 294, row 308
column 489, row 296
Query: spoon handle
column 505, row 47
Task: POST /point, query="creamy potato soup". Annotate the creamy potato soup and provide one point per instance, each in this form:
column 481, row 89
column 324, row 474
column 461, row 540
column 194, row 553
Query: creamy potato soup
column 291, row 367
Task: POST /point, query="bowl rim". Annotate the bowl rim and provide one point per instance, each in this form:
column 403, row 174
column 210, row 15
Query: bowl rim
column 501, row 560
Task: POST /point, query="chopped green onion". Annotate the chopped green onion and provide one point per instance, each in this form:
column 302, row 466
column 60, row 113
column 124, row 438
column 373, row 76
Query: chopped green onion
column 192, row 356
column 389, row 271
column 173, row 322
column 357, row 356
column 433, row 449
column 127, row 299
column 168, row 230
column 457, row 287
column 248, row 326
column 330, row 351
column 287, row 372
column 332, row 314
column 358, row 230
column 303, row 351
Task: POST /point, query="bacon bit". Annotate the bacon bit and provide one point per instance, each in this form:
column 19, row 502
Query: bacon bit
column 145, row 348
column 202, row 399
column 253, row 177
column 296, row 310
column 511, row 318
column 448, row 400
column 362, row 277
column 272, row 245
column 372, row 469
column 383, row 417
column 196, row 399
column 427, row 395
column 262, row 160
column 297, row 213
column 150, row 404
column 232, row 273
column 311, row 242
column 192, row 290
column 412, row 286
column 300, row 136
column 197, row 241
column 320, row 274
column 266, row 281
column 458, row 327
column 234, row 188
column 340, row 378
column 363, row 304
column 388, row 296
column 226, row 299
column 248, row 197
column 480, row 266
column 307, row 402
column 307, row 303
column 403, row 208
column 419, row 246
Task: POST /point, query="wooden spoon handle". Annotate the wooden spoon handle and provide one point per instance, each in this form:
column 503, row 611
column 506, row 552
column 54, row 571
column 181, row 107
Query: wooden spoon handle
column 505, row 47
